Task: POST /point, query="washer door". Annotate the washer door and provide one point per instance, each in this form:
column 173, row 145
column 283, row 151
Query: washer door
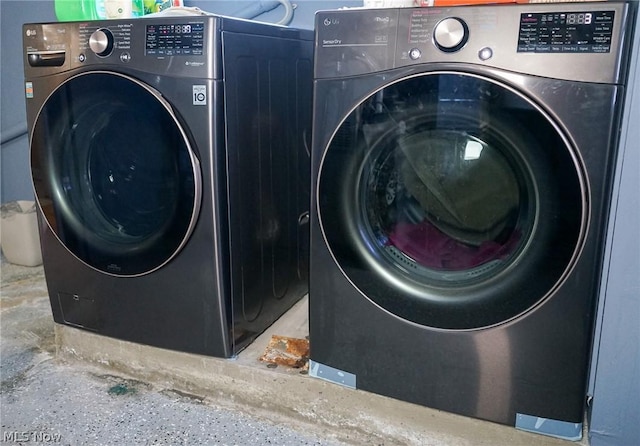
column 452, row 201
column 114, row 173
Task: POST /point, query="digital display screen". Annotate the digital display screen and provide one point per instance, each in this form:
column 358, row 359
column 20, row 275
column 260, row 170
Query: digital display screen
column 175, row 40
column 583, row 18
column 566, row 32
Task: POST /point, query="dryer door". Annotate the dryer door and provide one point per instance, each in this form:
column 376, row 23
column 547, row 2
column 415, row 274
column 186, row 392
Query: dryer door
column 114, row 174
column 452, row 201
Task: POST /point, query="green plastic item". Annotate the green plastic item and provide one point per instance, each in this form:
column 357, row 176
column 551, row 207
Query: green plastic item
column 137, row 8
column 73, row 10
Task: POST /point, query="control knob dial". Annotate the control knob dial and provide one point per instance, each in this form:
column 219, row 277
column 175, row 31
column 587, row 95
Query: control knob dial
column 101, row 42
column 450, row 34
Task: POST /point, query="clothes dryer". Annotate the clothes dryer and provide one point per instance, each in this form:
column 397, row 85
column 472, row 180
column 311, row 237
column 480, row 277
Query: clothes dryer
column 461, row 170
column 171, row 170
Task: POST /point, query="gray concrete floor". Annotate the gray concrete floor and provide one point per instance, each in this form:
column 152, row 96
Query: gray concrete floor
column 67, row 386
column 46, row 398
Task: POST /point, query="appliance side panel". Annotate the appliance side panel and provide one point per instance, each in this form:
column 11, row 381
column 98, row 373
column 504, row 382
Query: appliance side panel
column 268, row 170
column 615, row 365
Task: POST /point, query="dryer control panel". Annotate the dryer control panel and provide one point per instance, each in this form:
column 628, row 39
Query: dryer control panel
column 566, row 32
column 563, row 40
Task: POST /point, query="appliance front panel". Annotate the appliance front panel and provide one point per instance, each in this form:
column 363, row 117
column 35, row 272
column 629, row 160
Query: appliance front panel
column 382, row 157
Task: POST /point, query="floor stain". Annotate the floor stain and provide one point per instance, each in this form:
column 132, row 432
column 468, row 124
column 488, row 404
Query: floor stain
column 121, row 389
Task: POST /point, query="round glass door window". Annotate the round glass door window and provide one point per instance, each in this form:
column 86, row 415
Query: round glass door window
column 452, row 201
column 114, row 174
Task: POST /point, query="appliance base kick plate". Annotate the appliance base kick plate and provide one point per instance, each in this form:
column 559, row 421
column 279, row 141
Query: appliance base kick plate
column 553, row 428
column 318, row 370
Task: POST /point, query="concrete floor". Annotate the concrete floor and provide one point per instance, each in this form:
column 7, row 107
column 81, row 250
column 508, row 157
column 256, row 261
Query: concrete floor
column 64, row 385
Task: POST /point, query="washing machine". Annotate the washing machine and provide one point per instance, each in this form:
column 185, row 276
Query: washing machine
column 170, row 163
column 461, row 170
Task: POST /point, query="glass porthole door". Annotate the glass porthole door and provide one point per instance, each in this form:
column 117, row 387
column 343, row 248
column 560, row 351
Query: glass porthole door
column 114, row 174
column 451, row 201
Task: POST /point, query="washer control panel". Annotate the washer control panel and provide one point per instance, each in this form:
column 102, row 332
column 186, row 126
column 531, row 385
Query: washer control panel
column 560, row 40
column 175, row 39
column 104, row 39
column 144, row 44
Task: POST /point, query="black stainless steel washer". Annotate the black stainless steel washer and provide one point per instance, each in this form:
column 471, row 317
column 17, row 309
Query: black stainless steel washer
column 169, row 163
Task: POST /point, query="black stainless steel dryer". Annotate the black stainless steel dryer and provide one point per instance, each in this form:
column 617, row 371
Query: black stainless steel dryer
column 461, row 165
column 169, row 163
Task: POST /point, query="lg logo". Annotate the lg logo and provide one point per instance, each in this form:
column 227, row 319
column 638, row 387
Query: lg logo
column 329, row 22
column 31, row 33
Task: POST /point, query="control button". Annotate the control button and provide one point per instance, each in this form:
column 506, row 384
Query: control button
column 101, row 42
column 125, row 57
column 415, row 53
column 82, row 58
column 485, row 53
column 450, row 34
